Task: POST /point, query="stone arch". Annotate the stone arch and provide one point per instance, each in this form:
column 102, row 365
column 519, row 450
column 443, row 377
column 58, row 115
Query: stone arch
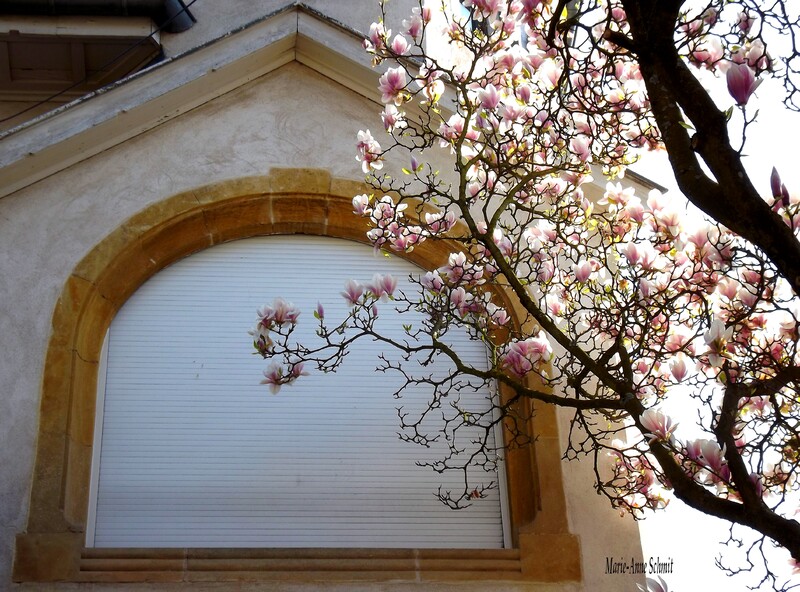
column 286, row 201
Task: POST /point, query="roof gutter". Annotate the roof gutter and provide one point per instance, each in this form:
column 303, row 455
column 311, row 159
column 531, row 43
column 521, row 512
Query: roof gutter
column 171, row 16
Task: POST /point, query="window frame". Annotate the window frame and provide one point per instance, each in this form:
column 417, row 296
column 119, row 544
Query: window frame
column 286, row 201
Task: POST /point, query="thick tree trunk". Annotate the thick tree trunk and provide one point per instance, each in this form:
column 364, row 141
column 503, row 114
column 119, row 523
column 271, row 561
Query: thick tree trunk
column 729, row 196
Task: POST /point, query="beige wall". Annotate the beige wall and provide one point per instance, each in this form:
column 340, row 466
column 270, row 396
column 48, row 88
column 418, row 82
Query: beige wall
column 47, row 228
column 214, row 19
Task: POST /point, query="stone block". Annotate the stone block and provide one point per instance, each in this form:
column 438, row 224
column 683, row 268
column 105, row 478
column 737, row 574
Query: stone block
column 299, row 180
column 154, row 215
column 92, row 326
column 164, row 245
column 76, row 484
column 47, row 557
column 83, row 400
column 45, row 513
column 68, row 308
column 243, row 217
column 550, row 557
column 347, row 188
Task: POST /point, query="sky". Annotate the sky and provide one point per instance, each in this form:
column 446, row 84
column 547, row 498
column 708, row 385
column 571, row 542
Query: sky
column 679, row 532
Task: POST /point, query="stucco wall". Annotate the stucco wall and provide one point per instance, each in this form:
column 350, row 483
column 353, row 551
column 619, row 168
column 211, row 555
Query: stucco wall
column 290, row 118
column 215, row 19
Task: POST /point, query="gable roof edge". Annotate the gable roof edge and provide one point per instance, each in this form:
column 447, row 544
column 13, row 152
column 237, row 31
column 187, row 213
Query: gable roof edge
column 138, row 103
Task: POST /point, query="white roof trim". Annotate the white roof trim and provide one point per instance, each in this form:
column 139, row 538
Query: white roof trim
column 112, row 115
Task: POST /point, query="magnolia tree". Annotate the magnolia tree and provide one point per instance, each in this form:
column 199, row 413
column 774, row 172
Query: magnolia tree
column 608, row 307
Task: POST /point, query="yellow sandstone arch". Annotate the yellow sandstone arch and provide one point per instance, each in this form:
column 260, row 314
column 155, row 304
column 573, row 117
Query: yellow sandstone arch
column 286, row 201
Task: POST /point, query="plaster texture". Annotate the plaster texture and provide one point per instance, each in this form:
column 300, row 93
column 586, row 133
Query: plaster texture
column 215, row 19
column 603, row 531
column 292, row 117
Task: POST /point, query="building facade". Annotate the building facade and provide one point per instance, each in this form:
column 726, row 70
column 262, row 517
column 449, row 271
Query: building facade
column 245, row 128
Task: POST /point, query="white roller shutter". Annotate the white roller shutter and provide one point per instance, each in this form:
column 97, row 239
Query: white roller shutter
column 192, row 452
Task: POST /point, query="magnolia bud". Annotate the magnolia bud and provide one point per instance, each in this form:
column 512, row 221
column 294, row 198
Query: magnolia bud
column 775, row 183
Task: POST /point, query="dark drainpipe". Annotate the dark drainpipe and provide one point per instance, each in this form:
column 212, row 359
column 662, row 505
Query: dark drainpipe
column 171, row 16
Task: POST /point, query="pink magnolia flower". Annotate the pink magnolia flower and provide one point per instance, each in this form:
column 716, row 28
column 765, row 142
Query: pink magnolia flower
column 658, row 425
column 453, row 129
column 744, row 22
column 747, row 296
column 503, row 243
column 678, row 369
column 385, row 211
column 741, row 82
column 461, row 300
column 617, row 195
column 261, row 340
column 710, row 456
column 488, row 97
column 414, row 25
column 403, row 239
column 368, row 152
column 524, row 93
column 352, row 292
column 775, row 183
column 399, row 45
column 757, row 57
column 707, row 53
column 392, row 118
column 756, row 405
column 485, row 8
column 788, row 329
column 439, row 222
column 710, row 16
column 581, row 146
column 546, row 272
column 520, row 357
column 516, row 363
column 550, row 73
column 635, row 210
column 779, row 192
column 432, row 281
column 716, row 338
column 728, row 288
column 656, row 200
column 361, row 205
column 583, row 271
column 554, row 305
column 646, row 288
column 377, row 37
column 669, row 220
column 795, row 565
column 392, row 86
column 273, row 376
column 297, row 371
column 285, row 313
column 382, row 286
column 280, row 313
column 497, row 314
column 631, row 252
column 459, row 270
column 677, row 341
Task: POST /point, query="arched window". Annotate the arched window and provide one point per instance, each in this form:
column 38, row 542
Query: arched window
column 306, row 202
column 190, row 451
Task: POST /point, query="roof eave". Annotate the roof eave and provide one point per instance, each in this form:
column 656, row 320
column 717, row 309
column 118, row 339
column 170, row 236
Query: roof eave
column 111, row 115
